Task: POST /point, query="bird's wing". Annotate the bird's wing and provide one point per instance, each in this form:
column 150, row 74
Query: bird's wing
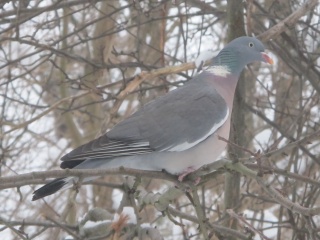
column 176, row 121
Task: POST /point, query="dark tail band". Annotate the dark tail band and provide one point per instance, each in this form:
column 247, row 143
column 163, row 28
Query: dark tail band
column 49, row 188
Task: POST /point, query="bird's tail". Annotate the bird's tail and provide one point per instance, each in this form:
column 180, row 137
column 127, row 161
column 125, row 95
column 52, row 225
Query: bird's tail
column 50, row 188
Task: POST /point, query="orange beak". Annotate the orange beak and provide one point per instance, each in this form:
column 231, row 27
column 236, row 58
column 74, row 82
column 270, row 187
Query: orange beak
column 266, row 58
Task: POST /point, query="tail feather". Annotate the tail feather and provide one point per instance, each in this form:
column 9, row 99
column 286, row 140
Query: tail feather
column 70, row 164
column 49, row 188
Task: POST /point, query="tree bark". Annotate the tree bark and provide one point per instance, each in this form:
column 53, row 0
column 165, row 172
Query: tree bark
column 232, row 180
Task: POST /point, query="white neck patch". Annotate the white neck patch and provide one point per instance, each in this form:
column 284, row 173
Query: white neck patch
column 221, row 71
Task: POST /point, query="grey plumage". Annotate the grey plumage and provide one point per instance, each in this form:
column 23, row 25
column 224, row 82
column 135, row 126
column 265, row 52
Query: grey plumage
column 195, row 108
column 175, row 132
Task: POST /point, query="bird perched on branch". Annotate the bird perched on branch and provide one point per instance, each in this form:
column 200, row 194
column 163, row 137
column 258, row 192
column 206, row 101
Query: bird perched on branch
column 177, row 132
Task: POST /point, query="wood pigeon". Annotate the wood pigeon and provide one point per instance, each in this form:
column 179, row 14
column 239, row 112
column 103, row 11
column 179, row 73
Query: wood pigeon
column 177, row 132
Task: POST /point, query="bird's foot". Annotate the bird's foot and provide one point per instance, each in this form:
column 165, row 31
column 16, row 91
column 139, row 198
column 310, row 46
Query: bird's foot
column 186, row 172
column 196, row 182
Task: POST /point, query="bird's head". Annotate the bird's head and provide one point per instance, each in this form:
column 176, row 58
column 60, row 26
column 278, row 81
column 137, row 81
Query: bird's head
column 240, row 52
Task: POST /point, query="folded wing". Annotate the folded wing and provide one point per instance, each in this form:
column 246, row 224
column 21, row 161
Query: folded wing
column 175, row 122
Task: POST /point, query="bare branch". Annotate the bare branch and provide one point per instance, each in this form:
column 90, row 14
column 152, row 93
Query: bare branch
column 288, row 21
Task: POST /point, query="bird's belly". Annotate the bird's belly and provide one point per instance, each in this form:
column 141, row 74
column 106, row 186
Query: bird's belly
column 203, row 153
column 195, row 158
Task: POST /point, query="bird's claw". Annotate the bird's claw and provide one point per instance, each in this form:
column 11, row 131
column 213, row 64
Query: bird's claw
column 187, row 172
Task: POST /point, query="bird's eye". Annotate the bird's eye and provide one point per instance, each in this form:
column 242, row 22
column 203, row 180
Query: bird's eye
column 251, row 44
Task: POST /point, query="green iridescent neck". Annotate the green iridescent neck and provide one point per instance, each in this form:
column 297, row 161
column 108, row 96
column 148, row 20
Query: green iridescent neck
column 229, row 59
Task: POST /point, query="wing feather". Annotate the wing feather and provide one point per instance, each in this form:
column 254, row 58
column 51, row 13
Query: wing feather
column 175, row 122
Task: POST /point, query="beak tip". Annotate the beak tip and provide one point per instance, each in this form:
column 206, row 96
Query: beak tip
column 266, row 58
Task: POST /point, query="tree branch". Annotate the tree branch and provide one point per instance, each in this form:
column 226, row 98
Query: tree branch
column 289, row 21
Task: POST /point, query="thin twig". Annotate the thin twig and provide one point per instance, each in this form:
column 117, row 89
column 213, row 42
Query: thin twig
column 245, row 222
column 121, row 96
